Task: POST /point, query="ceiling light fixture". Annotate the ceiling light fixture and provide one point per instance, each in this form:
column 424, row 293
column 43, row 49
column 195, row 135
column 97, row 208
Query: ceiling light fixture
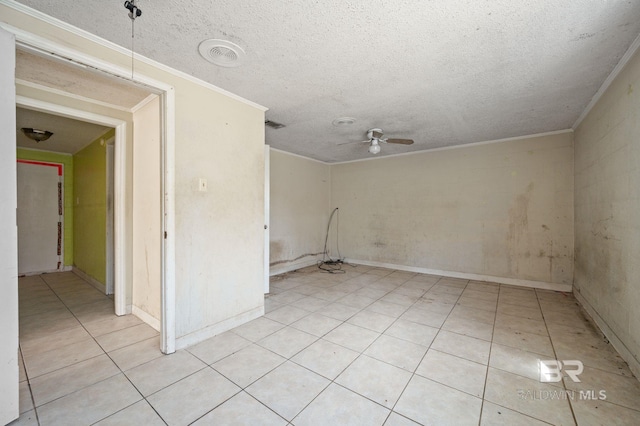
column 374, row 148
column 221, row 52
column 36, row 135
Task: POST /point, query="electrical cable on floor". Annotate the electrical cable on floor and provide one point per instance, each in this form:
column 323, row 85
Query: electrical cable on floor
column 328, row 264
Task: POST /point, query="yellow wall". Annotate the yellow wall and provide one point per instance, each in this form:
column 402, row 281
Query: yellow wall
column 90, row 209
column 67, row 161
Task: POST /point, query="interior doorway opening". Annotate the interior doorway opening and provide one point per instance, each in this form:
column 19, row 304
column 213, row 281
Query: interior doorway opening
column 119, row 263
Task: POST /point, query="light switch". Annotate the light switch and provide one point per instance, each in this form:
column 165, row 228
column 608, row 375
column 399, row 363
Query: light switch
column 202, row 185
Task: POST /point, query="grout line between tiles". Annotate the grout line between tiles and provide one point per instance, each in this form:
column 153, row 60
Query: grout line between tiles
column 555, row 354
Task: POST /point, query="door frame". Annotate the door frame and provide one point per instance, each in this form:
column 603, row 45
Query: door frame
column 267, row 209
column 42, row 46
column 9, row 371
column 110, row 147
column 61, row 217
column 120, row 299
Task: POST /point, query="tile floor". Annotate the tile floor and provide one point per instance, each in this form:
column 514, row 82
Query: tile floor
column 369, row 347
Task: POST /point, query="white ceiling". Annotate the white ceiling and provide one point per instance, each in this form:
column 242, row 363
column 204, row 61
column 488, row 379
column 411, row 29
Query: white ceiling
column 69, row 136
column 440, row 72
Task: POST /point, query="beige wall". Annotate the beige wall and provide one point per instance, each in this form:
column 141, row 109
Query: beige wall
column 299, row 209
column 503, row 209
column 607, row 205
column 219, row 233
column 147, row 216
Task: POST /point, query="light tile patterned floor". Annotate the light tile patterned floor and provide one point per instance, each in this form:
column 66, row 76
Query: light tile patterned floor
column 369, row 347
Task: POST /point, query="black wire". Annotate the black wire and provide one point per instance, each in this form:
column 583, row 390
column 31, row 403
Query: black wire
column 327, row 264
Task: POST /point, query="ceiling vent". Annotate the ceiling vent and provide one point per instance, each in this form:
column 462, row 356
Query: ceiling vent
column 221, row 52
column 273, row 124
column 343, row 121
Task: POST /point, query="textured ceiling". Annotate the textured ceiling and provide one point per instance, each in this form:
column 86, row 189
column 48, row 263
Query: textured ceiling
column 69, row 136
column 440, row 72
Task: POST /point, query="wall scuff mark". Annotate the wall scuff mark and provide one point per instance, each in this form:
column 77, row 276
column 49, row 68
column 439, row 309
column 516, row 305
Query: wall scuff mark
column 518, row 225
column 279, row 262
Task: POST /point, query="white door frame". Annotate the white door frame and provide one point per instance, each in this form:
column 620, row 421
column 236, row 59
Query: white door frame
column 120, row 299
column 267, row 201
column 59, row 258
column 9, row 376
column 40, row 45
column 110, row 147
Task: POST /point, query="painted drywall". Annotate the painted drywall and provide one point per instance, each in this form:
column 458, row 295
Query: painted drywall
column 9, row 403
column 220, row 232
column 300, row 205
column 147, row 214
column 90, row 209
column 503, row 209
column 67, row 162
column 607, row 208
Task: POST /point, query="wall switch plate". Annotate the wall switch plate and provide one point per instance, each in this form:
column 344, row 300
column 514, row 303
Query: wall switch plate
column 202, row 185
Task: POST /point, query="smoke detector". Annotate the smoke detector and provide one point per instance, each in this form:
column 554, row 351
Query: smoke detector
column 221, row 52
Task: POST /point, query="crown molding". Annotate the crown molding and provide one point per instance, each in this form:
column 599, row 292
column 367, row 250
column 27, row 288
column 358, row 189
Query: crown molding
column 116, row 48
column 468, row 145
column 300, row 156
column 608, row 81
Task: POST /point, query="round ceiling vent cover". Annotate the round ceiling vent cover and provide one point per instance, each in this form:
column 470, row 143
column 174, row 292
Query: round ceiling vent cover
column 344, row 121
column 221, row 52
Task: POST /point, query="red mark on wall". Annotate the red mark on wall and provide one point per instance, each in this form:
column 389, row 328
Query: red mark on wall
column 42, row 163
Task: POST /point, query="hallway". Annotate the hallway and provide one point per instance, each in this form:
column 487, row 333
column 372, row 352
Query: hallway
column 371, row 346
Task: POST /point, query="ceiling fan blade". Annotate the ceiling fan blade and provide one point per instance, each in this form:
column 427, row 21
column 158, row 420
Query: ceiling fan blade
column 347, row 143
column 400, row 141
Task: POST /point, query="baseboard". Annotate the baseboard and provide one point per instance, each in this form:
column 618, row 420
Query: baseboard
column 618, row 345
column 213, row 330
column 95, row 283
column 567, row 288
column 281, row 269
column 49, row 271
column 149, row 319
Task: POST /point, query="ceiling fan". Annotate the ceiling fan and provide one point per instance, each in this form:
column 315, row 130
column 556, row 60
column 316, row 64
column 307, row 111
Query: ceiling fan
column 375, row 138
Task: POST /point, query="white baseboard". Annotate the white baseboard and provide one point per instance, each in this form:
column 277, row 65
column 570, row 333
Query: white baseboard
column 95, row 283
column 618, row 344
column 144, row 316
column 215, row 329
column 567, row 288
column 49, row 271
column 299, row 264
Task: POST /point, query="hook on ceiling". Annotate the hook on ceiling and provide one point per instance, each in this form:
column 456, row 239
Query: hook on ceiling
column 134, row 11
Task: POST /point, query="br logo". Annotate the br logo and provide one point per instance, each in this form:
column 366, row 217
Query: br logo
column 551, row 370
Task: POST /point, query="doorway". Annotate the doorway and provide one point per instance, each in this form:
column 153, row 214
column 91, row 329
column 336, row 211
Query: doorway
column 120, row 227
column 40, row 217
